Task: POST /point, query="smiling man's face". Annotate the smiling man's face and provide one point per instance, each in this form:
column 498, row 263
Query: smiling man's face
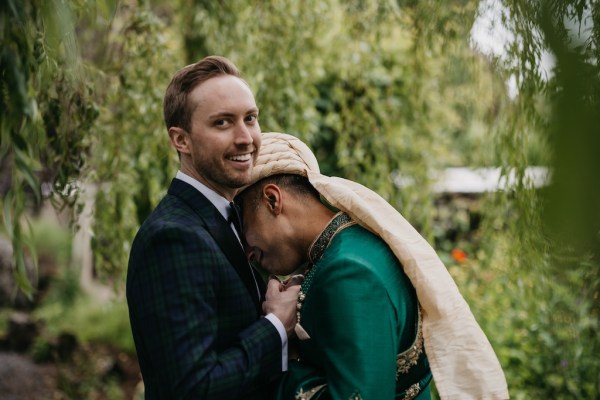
column 225, row 136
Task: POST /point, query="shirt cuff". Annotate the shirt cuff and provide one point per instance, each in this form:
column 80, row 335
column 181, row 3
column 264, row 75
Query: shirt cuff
column 284, row 339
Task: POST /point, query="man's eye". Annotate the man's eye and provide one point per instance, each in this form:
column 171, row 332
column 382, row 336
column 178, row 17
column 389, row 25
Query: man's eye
column 251, row 118
column 220, row 122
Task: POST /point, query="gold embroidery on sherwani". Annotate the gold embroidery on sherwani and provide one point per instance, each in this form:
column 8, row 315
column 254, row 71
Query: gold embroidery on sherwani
column 302, row 395
column 355, row 396
column 317, row 248
column 410, row 357
column 412, row 392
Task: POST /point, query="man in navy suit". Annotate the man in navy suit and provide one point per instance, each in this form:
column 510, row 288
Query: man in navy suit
column 202, row 324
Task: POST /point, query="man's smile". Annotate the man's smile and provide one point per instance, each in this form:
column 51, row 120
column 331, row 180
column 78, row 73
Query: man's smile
column 241, row 157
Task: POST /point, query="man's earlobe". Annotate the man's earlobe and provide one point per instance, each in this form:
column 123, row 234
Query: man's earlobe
column 178, row 138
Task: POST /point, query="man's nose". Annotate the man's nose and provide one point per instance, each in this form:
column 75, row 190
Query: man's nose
column 243, row 134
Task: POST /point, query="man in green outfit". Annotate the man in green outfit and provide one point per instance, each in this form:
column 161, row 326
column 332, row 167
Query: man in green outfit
column 368, row 321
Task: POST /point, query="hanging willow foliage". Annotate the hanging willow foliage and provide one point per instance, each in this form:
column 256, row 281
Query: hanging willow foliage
column 133, row 162
column 46, row 110
column 554, row 280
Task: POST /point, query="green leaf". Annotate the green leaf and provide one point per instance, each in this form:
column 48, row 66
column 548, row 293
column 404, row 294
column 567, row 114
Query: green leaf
column 20, row 273
column 26, row 171
column 8, row 214
column 107, row 8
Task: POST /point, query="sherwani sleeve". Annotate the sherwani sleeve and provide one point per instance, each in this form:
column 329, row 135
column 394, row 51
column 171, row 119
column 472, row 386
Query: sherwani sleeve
column 356, row 332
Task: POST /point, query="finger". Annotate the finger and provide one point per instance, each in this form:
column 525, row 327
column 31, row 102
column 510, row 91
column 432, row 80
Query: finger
column 273, row 286
column 293, row 290
column 294, row 280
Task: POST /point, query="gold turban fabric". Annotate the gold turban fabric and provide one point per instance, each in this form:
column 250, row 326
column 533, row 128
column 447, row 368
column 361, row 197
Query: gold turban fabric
column 463, row 363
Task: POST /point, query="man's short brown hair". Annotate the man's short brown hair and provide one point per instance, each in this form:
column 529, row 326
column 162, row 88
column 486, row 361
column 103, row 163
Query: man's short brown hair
column 176, row 108
column 297, row 184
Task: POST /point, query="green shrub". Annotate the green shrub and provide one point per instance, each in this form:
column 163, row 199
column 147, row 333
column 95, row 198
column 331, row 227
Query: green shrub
column 539, row 316
column 52, row 240
column 90, row 321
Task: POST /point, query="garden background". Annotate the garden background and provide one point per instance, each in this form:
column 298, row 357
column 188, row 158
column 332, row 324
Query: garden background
column 388, row 93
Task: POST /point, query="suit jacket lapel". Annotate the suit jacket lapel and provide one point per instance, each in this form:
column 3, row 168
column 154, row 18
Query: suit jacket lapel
column 221, row 231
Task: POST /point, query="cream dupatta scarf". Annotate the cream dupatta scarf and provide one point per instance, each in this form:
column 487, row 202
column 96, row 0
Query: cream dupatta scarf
column 463, row 363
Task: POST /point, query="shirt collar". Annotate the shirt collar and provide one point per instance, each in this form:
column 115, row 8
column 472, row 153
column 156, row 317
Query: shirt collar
column 220, row 202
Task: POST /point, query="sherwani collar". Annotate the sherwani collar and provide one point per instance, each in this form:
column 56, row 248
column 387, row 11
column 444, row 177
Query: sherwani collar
column 339, row 222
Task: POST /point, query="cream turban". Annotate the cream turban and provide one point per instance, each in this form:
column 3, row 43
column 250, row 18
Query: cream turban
column 463, row 363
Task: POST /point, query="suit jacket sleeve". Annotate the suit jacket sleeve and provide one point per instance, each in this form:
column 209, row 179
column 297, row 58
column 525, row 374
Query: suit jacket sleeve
column 179, row 287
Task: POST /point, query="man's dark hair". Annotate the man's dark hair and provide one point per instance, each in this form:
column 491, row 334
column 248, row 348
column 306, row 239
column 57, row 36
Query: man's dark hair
column 176, row 109
column 294, row 183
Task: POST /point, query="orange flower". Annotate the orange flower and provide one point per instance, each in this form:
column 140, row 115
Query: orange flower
column 459, row 255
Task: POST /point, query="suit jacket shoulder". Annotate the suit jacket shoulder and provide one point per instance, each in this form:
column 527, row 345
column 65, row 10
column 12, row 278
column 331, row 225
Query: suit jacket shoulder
column 195, row 322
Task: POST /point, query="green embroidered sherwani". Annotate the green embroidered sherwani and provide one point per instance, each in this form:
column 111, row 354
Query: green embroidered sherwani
column 362, row 315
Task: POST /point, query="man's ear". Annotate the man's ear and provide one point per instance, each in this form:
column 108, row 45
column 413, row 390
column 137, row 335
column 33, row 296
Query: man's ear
column 272, row 196
column 179, row 139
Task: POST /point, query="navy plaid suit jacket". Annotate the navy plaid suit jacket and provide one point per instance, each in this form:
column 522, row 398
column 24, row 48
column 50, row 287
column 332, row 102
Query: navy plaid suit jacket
column 193, row 306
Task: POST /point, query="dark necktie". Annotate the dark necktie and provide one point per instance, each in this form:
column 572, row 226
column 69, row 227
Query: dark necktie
column 236, row 219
